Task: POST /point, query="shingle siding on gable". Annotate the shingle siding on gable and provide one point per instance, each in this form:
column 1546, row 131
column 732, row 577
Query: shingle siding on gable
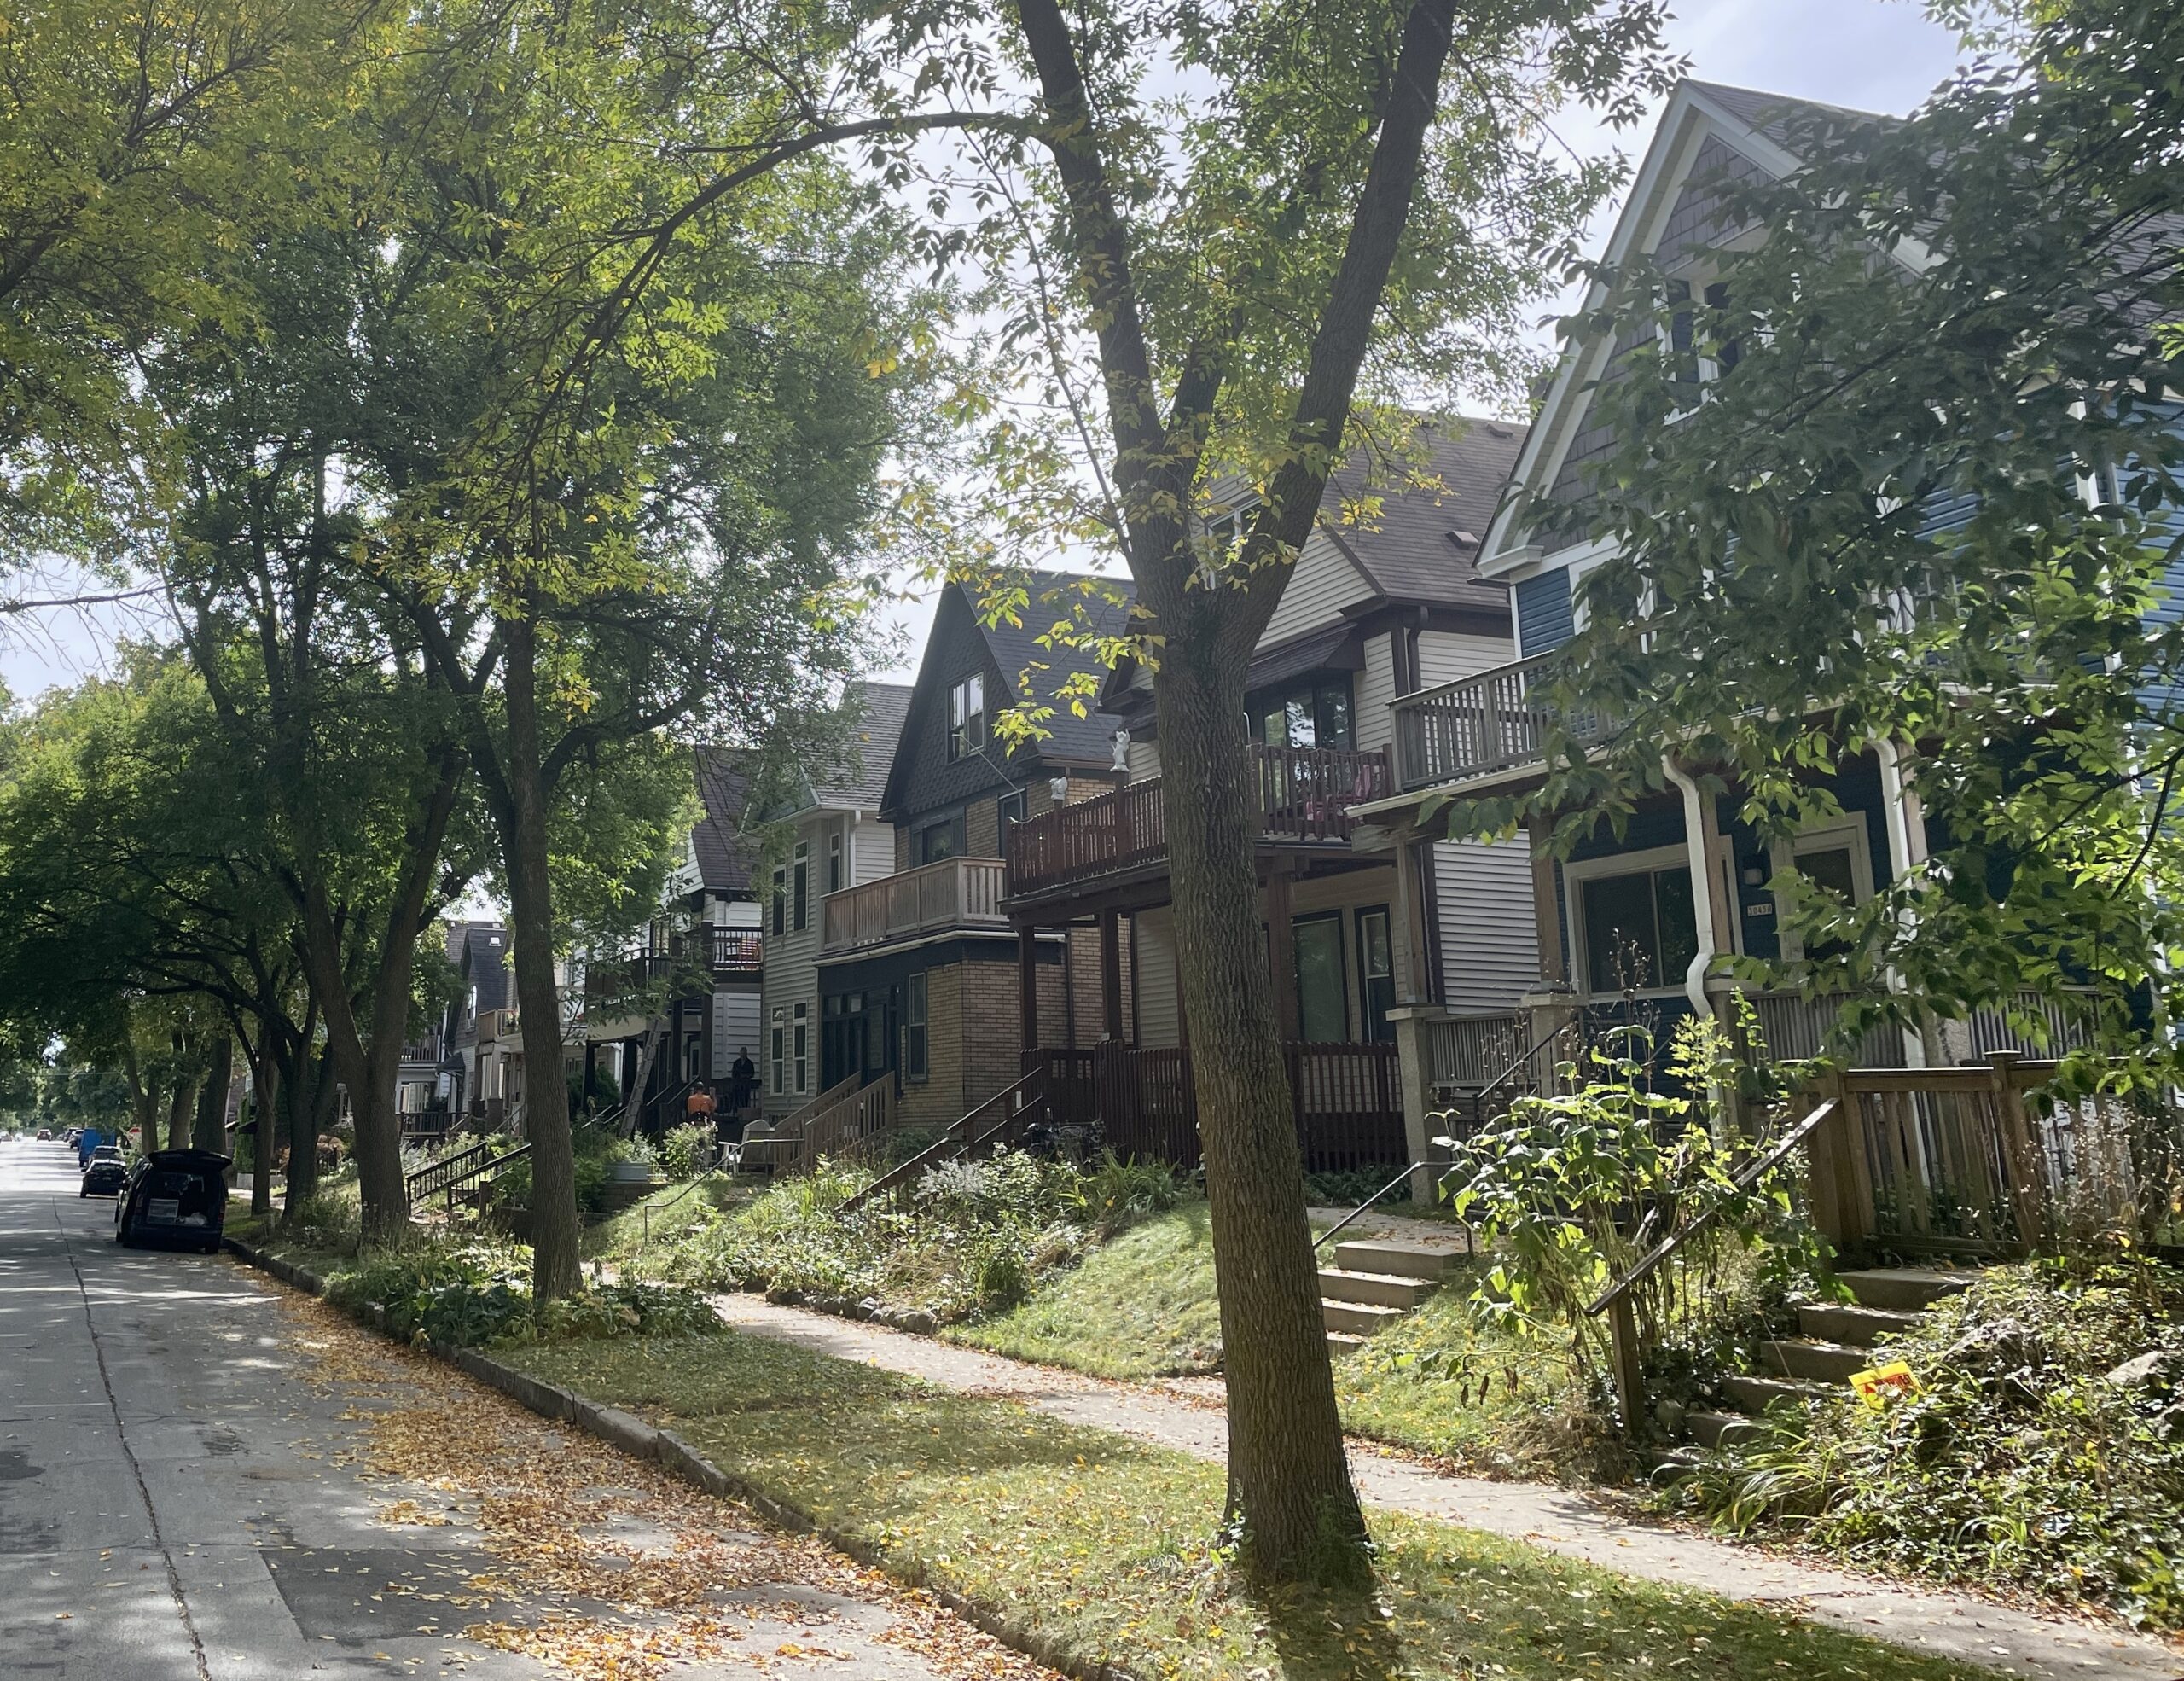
column 1693, row 220
column 931, row 784
column 1545, row 617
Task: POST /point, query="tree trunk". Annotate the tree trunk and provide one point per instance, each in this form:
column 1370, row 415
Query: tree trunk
column 556, row 1262
column 144, row 1104
column 180, row 1116
column 372, row 1071
column 1289, row 1479
column 264, row 1102
column 299, row 1103
column 213, row 1096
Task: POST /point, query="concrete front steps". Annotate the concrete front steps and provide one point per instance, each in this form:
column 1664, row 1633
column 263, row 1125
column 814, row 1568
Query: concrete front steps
column 1375, row 1281
column 1837, row 1339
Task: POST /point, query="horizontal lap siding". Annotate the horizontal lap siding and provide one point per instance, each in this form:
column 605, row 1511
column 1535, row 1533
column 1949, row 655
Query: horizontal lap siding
column 1490, row 942
column 1323, row 584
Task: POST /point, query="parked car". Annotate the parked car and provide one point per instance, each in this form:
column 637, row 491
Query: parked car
column 175, row 1198
column 106, row 1173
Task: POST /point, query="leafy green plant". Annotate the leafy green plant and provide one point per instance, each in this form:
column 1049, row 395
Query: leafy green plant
column 687, row 1151
column 2043, row 1447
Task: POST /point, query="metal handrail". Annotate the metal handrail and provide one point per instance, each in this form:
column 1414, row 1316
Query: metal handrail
column 1402, row 1178
column 962, row 1136
column 1743, row 1179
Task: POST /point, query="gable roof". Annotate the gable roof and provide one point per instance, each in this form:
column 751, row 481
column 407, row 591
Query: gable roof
column 1425, row 544
column 1032, row 671
column 723, row 852
column 883, row 706
column 480, row 953
column 1741, row 130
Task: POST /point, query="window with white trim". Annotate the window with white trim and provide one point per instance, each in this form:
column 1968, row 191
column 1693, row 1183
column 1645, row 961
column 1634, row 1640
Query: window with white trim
column 800, row 888
column 966, row 716
column 916, row 1048
column 1635, row 926
column 803, row 1046
column 776, row 1049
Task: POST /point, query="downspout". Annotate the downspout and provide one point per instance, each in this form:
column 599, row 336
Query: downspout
column 1898, row 822
column 1702, row 887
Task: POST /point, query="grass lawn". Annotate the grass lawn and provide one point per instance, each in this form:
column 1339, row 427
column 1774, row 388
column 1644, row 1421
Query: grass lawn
column 1140, row 1306
column 1103, row 1545
column 663, row 1215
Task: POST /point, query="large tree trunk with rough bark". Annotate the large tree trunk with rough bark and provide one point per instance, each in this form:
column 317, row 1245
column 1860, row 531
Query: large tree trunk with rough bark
column 212, row 1096
column 299, row 1095
column 1289, row 1479
column 555, row 1265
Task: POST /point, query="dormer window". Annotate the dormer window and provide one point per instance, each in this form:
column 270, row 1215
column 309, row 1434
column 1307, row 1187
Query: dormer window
column 967, row 718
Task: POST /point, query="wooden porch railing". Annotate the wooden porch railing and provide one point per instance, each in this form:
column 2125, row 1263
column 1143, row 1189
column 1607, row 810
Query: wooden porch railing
column 736, row 951
column 1489, row 721
column 1300, row 795
column 955, row 892
column 1141, row 1102
column 997, row 1122
column 845, row 1124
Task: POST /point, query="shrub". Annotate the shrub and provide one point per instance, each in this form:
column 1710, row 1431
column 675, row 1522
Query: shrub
column 688, row 1150
column 2044, row 1446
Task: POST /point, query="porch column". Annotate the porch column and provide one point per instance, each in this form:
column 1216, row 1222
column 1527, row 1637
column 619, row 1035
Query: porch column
column 1027, row 988
column 1111, row 972
column 1281, row 952
column 1414, row 966
column 1415, row 1008
column 1547, row 911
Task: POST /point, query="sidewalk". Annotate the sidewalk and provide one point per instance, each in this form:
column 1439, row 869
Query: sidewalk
column 1187, row 1416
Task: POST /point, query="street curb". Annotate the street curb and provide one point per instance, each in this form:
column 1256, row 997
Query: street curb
column 641, row 1440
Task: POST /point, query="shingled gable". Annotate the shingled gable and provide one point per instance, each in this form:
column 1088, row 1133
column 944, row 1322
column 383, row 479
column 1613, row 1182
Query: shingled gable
column 1420, row 548
column 723, row 852
column 1707, row 132
column 1013, row 650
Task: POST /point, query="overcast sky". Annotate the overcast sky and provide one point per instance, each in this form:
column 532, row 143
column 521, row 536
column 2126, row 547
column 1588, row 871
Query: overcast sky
column 1870, row 54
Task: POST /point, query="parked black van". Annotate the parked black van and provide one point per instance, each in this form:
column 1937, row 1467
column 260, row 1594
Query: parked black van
column 176, row 1199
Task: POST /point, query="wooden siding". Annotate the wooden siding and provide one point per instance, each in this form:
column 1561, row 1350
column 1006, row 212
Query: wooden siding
column 1445, row 655
column 1490, row 944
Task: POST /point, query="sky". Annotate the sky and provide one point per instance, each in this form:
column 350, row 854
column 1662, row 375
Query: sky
column 1868, row 55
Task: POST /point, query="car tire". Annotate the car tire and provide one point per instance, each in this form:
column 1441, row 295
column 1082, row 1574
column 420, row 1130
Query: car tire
column 82, row 1194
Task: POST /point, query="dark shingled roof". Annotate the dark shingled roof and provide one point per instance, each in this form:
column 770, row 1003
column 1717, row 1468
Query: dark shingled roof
column 1424, row 544
column 1016, row 649
column 480, row 951
column 884, row 706
column 725, row 853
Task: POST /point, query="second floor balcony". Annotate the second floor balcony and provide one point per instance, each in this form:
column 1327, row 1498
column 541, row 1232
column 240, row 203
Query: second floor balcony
column 1303, row 797
column 1493, row 721
column 962, row 893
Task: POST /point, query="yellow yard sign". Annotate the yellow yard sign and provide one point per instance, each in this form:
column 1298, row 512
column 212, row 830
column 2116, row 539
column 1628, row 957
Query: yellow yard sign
column 1879, row 1385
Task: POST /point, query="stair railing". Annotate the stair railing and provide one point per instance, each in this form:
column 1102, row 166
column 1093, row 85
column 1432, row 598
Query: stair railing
column 998, row 1119
column 1615, row 1301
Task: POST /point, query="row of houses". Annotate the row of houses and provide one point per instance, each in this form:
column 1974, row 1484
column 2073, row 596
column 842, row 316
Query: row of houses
column 943, row 919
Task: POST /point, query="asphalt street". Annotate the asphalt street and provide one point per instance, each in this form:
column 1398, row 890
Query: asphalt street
column 185, row 1494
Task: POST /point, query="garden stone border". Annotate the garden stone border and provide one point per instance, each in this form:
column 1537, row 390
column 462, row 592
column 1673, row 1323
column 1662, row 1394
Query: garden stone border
column 664, row 1448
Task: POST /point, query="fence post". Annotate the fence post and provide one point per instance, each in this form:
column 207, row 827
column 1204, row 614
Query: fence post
column 2019, row 1158
column 1629, row 1371
column 1841, row 1201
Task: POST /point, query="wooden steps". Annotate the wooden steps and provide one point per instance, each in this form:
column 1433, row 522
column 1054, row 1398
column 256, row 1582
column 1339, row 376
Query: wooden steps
column 1375, row 1281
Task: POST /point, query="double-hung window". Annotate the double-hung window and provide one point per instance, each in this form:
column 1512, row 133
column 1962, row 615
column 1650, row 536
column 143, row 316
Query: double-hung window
column 966, row 716
column 803, row 1047
column 776, row 1056
column 800, row 890
column 834, row 862
column 781, row 898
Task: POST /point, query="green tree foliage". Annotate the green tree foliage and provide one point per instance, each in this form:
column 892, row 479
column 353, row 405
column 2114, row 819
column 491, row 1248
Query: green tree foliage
column 1970, row 312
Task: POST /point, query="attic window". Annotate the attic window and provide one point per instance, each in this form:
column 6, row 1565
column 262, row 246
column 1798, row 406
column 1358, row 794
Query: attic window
column 966, row 716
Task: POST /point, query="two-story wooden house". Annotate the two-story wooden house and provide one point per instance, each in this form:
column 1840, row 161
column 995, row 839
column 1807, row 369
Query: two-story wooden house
column 1638, row 922
column 1362, row 936
column 836, row 840
column 918, row 973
